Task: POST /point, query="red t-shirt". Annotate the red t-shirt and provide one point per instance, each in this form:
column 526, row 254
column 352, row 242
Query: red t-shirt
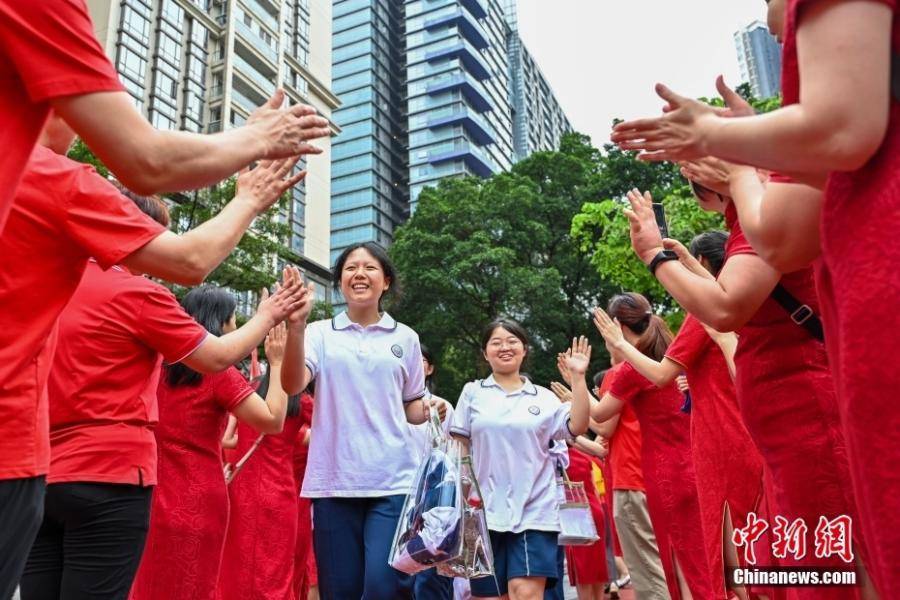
column 625, row 445
column 113, row 336
column 64, row 213
column 47, row 50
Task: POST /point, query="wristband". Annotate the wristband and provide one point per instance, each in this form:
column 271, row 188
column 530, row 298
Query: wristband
column 661, row 257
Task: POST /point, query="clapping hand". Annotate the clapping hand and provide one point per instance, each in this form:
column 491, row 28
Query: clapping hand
column 645, row 237
column 286, row 131
column 687, row 259
column 608, row 328
column 288, row 298
column 301, row 313
column 562, row 392
column 578, row 357
column 563, row 368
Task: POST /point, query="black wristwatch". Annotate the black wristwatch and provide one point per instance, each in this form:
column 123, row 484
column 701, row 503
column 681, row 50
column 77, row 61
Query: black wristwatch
column 663, row 256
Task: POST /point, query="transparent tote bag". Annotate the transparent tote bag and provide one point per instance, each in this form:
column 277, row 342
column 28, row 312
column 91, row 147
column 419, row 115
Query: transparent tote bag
column 430, row 526
column 576, row 522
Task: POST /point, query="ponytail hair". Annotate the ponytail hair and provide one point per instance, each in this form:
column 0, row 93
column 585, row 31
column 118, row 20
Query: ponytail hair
column 634, row 312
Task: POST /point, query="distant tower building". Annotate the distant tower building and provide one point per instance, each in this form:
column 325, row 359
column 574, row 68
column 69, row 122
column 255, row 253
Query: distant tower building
column 759, row 55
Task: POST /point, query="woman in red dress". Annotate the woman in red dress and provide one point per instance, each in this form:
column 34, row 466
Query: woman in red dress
column 189, row 514
column 258, row 560
column 783, row 383
column 846, row 124
column 729, row 469
column 665, row 451
column 587, row 564
column 304, row 506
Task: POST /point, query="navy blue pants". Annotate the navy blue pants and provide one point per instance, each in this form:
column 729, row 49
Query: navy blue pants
column 352, row 539
column 431, row 586
column 558, row 592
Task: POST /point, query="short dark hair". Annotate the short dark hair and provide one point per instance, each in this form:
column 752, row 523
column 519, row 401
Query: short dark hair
column 379, row 254
column 212, row 307
column 711, row 246
column 429, row 379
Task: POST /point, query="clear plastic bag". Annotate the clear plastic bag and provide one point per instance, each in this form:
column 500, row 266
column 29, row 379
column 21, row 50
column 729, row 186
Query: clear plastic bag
column 476, row 558
column 576, row 522
column 430, row 526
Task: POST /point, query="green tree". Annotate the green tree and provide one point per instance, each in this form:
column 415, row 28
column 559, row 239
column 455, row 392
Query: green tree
column 478, row 249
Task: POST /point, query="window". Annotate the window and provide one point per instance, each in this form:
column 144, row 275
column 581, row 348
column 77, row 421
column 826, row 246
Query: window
column 166, row 87
column 132, row 64
column 169, row 49
column 135, row 24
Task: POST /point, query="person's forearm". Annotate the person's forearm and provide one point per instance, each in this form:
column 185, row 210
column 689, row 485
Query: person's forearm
column 581, row 405
column 701, row 297
column 208, row 244
column 793, row 140
column 233, row 347
column 276, row 397
column 654, row 371
column 590, row 446
column 605, row 429
column 293, row 373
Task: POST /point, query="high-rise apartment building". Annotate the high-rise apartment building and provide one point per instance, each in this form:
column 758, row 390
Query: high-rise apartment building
column 430, row 89
column 759, row 56
column 205, row 65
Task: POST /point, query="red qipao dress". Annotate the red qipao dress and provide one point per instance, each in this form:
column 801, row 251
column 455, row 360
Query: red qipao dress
column 304, row 561
column 728, row 467
column 587, row 564
column 189, row 514
column 258, row 562
column 859, row 288
column 669, row 477
column 787, row 399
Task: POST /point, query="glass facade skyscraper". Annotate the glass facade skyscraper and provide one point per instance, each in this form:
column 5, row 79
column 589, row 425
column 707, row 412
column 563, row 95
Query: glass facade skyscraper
column 759, row 56
column 428, row 92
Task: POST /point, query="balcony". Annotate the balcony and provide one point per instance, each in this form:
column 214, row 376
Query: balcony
column 248, row 71
column 254, row 42
column 476, row 160
column 243, row 101
column 467, row 54
column 474, row 124
column 478, row 8
column 471, row 89
column 258, row 11
column 468, row 27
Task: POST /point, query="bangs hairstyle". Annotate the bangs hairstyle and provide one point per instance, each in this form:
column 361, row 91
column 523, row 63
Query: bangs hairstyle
column 511, row 326
column 152, row 206
column 634, row 311
column 429, row 379
column 379, row 254
column 212, row 307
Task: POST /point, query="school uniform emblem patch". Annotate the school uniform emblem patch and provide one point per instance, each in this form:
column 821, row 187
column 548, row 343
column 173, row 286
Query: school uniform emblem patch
column 397, row 349
column 534, row 410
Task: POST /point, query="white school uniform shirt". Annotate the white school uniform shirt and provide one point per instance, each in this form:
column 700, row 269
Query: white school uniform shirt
column 510, row 437
column 360, row 442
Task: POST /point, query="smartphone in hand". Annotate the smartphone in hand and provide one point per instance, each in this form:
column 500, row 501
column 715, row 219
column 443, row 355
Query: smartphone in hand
column 659, row 212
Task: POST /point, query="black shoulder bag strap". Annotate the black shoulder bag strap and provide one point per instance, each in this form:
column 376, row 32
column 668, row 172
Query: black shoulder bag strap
column 800, row 313
column 895, row 75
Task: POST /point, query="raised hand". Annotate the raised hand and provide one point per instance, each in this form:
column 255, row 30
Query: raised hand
column 678, row 135
column 287, row 299
column 286, row 131
column 264, row 184
column 578, row 357
column 301, row 313
column 608, row 328
column 562, row 392
column 275, row 345
column 563, row 368
column 687, row 259
column 646, row 240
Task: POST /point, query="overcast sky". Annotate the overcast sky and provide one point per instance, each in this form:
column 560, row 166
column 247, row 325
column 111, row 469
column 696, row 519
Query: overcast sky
column 602, row 57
